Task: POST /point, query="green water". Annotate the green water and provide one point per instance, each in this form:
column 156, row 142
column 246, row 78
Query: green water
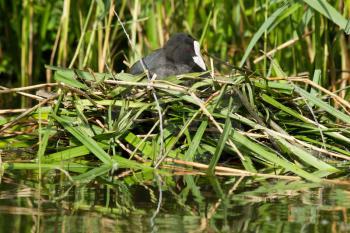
column 190, row 204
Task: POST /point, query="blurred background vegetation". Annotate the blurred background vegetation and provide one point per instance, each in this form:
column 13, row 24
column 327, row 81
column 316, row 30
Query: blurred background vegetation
column 87, row 35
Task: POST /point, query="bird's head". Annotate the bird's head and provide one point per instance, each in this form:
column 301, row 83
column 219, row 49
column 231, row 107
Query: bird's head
column 183, row 49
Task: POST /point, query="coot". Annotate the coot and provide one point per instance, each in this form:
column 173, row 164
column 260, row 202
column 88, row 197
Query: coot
column 181, row 54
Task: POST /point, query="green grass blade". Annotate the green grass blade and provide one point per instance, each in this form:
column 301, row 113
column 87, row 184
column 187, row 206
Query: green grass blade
column 312, row 124
column 331, row 110
column 220, row 146
column 264, row 27
column 273, row 158
column 70, row 153
column 35, row 166
column 190, row 153
column 92, row 174
column 275, row 103
column 307, row 157
column 145, row 147
column 67, row 77
column 91, row 144
column 324, row 8
column 334, row 148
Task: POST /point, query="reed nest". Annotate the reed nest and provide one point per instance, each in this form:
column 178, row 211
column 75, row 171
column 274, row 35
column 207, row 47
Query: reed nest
column 233, row 124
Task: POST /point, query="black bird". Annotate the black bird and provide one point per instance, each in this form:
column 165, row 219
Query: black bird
column 181, row 54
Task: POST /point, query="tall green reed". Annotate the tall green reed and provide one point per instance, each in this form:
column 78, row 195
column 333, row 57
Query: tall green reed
column 67, row 33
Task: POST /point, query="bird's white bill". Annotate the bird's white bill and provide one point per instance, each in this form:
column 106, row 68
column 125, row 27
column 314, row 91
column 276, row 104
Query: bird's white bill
column 198, row 58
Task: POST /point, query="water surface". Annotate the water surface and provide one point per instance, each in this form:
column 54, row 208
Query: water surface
column 188, row 204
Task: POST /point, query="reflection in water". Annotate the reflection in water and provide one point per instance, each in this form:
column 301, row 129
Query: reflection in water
column 189, row 204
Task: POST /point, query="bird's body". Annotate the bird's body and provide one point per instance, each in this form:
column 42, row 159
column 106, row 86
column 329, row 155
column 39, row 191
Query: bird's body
column 181, row 54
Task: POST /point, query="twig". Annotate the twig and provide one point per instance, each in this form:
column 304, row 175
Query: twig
column 318, row 125
column 17, row 89
column 140, row 159
column 82, row 93
column 27, row 112
column 282, row 46
column 154, row 84
column 220, row 170
column 36, row 97
column 315, row 85
column 10, row 111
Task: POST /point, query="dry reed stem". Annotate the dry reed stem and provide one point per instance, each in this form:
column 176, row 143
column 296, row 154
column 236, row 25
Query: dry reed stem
column 282, row 46
column 315, row 85
column 227, row 171
column 17, row 89
column 27, row 112
column 10, row 111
